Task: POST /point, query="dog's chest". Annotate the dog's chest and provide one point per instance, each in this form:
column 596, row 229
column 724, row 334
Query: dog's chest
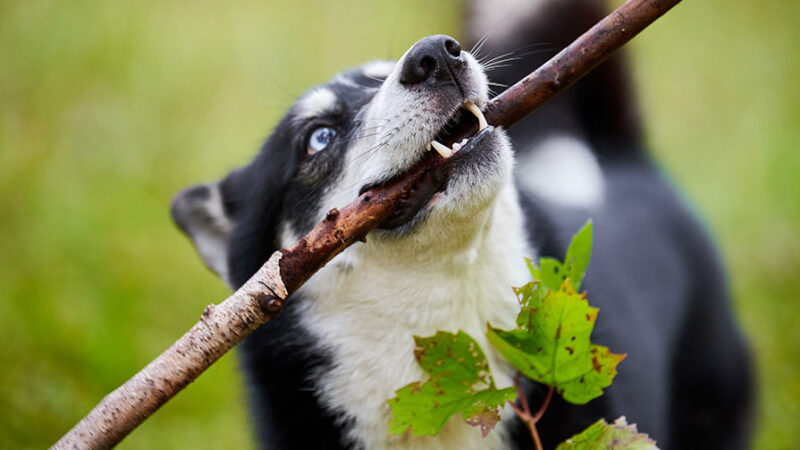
column 365, row 317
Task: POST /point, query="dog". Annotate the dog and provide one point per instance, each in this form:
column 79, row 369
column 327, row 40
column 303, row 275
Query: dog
column 320, row 375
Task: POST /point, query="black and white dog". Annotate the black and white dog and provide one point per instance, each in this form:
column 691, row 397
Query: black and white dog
column 320, row 375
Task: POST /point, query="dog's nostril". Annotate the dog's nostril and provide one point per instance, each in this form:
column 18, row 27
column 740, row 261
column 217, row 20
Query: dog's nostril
column 429, row 58
column 453, row 47
column 418, row 69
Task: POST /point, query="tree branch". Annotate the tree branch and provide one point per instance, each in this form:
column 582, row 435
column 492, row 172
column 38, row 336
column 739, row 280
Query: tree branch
column 260, row 299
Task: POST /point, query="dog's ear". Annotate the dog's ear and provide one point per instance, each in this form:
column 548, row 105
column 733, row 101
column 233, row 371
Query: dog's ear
column 206, row 213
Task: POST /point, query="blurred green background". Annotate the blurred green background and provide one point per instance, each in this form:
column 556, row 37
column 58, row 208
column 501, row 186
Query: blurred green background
column 108, row 108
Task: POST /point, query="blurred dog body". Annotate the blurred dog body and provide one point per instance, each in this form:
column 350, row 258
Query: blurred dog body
column 319, row 376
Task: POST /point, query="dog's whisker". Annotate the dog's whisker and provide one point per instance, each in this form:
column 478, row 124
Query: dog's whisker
column 476, row 49
column 500, row 66
column 495, row 58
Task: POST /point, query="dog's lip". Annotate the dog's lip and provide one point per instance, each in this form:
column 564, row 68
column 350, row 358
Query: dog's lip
column 472, row 142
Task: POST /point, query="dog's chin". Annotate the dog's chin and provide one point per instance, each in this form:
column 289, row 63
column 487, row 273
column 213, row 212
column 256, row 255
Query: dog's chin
column 473, row 177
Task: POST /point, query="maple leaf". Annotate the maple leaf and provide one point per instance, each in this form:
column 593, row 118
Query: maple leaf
column 553, row 345
column 460, row 382
column 616, row 436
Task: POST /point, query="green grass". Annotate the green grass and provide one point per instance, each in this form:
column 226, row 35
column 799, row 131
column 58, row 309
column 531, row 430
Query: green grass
column 108, row 108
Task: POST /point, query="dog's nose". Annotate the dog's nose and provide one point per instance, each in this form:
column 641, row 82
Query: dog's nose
column 430, row 58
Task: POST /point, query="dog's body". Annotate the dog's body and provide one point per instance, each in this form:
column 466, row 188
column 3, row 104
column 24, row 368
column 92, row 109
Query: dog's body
column 320, row 374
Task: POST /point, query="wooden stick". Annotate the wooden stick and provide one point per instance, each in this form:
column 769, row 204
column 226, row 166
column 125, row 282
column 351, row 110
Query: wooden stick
column 575, row 61
column 263, row 296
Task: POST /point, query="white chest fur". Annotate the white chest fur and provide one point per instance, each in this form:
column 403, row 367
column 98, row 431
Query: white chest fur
column 365, row 308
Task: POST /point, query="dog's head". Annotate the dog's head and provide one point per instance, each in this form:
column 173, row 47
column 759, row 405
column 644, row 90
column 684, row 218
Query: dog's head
column 362, row 128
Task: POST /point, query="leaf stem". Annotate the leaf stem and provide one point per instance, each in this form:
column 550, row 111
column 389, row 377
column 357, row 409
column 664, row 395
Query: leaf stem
column 524, row 412
column 523, row 399
column 545, row 403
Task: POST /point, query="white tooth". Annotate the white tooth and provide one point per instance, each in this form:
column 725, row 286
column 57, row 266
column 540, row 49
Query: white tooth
column 456, row 147
column 442, row 149
column 464, row 142
column 473, row 108
column 428, row 146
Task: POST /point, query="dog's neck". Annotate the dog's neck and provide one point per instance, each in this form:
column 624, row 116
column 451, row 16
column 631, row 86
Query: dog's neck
column 368, row 303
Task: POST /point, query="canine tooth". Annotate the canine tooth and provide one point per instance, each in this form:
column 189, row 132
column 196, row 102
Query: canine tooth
column 428, row 146
column 442, row 149
column 473, row 108
column 456, row 147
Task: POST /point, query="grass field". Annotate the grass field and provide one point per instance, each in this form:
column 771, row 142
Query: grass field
column 108, row 108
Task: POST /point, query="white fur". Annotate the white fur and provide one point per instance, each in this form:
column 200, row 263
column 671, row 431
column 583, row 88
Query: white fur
column 563, row 169
column 449, row 276
column 316, row 103
column 345, row 80
column 378, row 69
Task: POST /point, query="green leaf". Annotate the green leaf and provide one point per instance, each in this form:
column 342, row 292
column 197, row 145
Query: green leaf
column 552, row 272
column 553, row 345
column 530, row 296
column 578, row 254
column 460, row 382
column 617, row 436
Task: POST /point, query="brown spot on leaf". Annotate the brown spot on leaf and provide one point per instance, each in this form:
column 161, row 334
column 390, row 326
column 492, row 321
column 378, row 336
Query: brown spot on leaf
column 596, row 365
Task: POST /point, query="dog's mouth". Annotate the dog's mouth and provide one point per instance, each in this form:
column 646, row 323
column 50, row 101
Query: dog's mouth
column 455, row 141
column 468, row 114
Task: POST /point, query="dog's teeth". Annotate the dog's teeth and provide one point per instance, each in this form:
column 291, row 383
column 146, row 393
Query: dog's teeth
column 442, row 149
column 456, row 147
column 473, row 108
column 428, row 146
column 464, row 142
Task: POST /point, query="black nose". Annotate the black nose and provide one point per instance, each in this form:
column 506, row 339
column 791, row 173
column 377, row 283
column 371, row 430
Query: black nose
column 430, row 58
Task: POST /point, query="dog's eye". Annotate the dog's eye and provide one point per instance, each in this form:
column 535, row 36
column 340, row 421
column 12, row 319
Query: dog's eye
column 319, row 139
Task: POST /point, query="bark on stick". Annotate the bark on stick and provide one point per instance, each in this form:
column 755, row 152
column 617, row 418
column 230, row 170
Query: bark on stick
column 223, row 326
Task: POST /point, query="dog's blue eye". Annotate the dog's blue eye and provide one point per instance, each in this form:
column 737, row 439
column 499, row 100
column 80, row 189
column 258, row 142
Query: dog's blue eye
column 320, row 138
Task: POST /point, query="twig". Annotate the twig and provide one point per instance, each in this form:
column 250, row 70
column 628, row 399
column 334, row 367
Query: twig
column 524, row 413
column 545, row 404
column 264, row 295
